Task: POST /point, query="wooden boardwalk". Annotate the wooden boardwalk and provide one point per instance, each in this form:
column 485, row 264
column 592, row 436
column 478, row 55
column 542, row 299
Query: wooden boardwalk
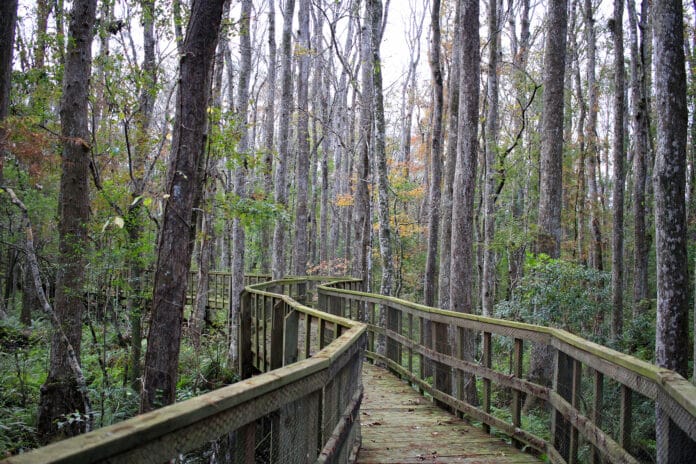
column 401, row 426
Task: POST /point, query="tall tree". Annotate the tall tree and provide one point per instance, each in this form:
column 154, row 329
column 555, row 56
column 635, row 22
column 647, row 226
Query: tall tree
column 281, row 188
column 596, row 255
column 8, row 19
column 243, row 147
column 618, row 155
column 450, row 163
column 174, row 257
column 269, row 129
column 639, row 110
column 491, row 181
column 300, row 246
column 669, row 182
column 379, row 153
column 462, row 258
column 60, row 394
column 551, row 159
column 429, row 287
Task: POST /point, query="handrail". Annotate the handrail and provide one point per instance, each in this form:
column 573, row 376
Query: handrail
column 405, row 353
column 325, row 384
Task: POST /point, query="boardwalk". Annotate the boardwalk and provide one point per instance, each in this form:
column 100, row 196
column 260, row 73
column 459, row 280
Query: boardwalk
column 400, row 426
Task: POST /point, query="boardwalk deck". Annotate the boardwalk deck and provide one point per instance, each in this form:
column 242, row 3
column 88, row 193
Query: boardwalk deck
column 400, row 426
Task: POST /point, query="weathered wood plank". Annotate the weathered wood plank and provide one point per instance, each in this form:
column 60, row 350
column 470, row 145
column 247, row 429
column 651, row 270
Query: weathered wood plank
column 401, row 426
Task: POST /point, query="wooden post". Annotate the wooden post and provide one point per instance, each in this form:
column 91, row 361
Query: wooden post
column 562, row 384
column 290, row 334
column 486, row 382
column 596, row 418
column 517, row 355
column 308, row 336
column 575, row 400
column 277, row 323
column 625, row 420
column 244, row 337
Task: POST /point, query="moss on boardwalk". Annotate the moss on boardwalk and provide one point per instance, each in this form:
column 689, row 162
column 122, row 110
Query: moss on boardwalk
column 400, row 426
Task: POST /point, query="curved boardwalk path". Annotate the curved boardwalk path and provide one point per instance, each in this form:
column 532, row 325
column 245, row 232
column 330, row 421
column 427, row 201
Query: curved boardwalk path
column 401, row 426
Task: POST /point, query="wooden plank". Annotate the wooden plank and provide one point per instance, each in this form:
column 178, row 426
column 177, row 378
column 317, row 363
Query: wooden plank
column 401, row 426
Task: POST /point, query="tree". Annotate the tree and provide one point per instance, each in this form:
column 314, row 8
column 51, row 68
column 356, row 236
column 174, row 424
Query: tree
column 60, row 394
column 173, row 259
column 550, row 163
column 669, row 182
column 8, row 19
column 300, row 246
column 618, row 155
column 491, row 173
column 435, row 158
column 281, row 188
column 462, row 258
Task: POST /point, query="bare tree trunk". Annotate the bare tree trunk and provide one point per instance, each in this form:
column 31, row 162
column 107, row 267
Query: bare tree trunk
column 361, row 201
column 244, row 147
column 669, row 181
column 429, row 287
column 174, row 258
column 618, row 155
column 462, row 258
column 300, row 247
column 281, row 189
column 8, row 19
column 60, row 394
column 450, row 165
column 550, row 174
column 640, row 156
column 596, row 257
column 269, row 125
column 491, row 181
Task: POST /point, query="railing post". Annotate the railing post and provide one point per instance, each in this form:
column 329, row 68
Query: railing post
column 290, row 333
column 562, row 384
column 517, row 354
column 575, row 400
column 486, row 361
column 674, row 446
column 244, row 336
column 277, row 335
column 597, row 401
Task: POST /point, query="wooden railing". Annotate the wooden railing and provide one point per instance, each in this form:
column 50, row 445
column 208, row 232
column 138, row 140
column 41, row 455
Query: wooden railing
column 590, row 421
column 218, row 296
column 303, row 408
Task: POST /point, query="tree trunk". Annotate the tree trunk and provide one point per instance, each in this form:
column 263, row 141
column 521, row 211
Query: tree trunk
column 281, row 188
column 462, row 257
column 8, row 19
column 243, row 147
column 596, row 257
column 491, row 181
column 269, row 131
column 450, row 165
column 669, row 181
column 618, row 155
column 60, row 394
column 429, row 286
column 174, row 258
column 640, row 156
column 300, row 247
column 550, row 170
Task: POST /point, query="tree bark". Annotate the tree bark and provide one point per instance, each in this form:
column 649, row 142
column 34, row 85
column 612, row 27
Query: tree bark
column 8, row 19
column 269, row 131
column 462, row 257
column 300, row 247
column 281, row 188
column 491, row 181
column 669, row 182
column 640, row 156
column 550, row 170
column 429, row 286
column 618, row 155
column 60, row 394
column 173, row 259
column 244, row 147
